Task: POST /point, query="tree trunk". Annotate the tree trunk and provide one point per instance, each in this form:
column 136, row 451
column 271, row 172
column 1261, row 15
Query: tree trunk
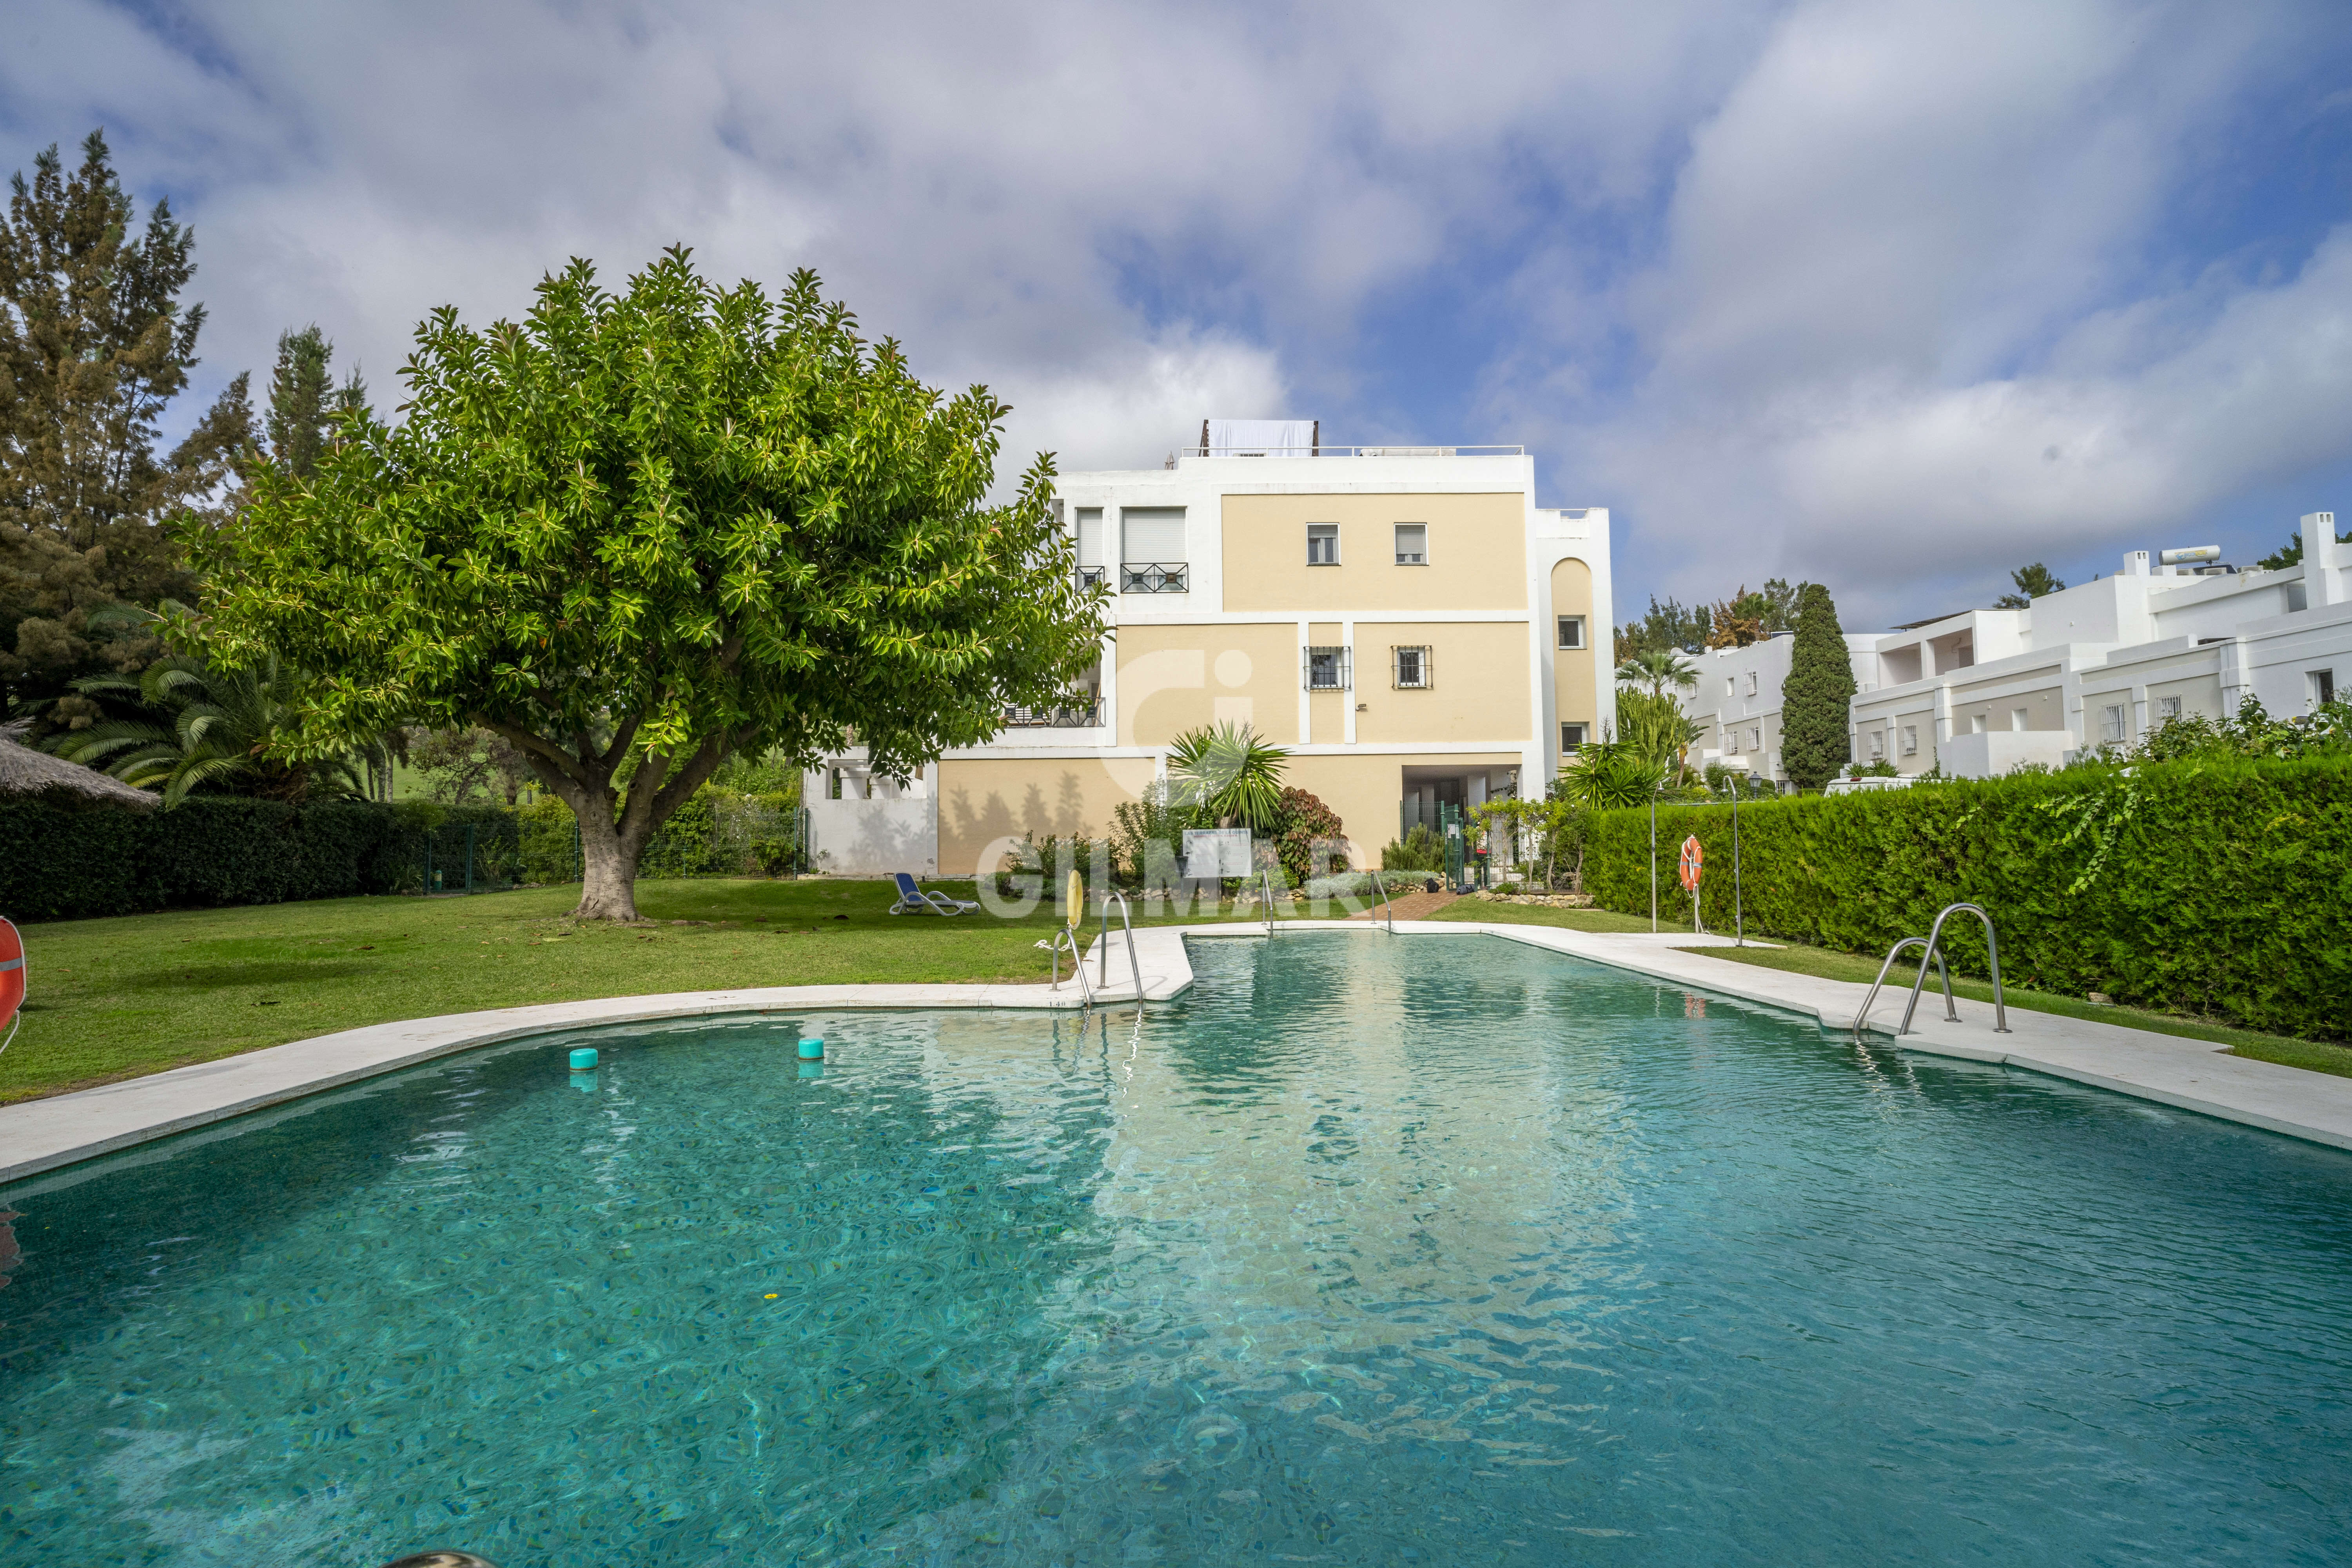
column 608, row 873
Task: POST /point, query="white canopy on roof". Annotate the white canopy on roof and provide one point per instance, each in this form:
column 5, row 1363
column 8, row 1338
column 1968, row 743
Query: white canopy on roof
column 1260, row 437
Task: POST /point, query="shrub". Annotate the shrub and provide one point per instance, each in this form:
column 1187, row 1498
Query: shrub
column 2218, row 887
column 1419, row 851
column 1301, row 823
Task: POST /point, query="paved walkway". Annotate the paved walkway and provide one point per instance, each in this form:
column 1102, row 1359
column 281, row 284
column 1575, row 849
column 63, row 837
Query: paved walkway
column 44, row 1135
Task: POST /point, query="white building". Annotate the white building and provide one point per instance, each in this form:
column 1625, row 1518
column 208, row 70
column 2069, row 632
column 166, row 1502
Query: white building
column 2103, row 663
column 1406, row 622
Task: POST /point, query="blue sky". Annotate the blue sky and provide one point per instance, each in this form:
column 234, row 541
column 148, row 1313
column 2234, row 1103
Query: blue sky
column 1896, row 298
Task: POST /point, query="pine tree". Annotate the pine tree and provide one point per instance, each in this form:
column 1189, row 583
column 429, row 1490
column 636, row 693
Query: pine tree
column 304, row 402
column 1817, row 698
column 2032, row 582
column 94, row 345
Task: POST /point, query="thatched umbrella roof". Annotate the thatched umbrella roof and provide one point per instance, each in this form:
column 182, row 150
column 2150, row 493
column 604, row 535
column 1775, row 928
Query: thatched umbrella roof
column 23, row 771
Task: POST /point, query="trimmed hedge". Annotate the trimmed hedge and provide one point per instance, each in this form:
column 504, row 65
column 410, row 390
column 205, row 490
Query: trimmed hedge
column 2212, row 888
column 69, row 859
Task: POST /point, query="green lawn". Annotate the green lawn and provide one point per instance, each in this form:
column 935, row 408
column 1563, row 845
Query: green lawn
column 116, row 998
column 2317, row 1055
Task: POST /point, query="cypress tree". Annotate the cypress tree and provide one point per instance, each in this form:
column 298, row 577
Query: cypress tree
column 1816, row 702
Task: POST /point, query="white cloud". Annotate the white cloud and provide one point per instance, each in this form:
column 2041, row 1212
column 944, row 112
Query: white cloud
column 1807, row 289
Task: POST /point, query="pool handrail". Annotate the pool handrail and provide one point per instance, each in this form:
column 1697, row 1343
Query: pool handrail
column 1383, row 889
column 1102, row 943
column 1265, row 884
column 1992, row 956
column 1063, row 933
column 1951, row 1012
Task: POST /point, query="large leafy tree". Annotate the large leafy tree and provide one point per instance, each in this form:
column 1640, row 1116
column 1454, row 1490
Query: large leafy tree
column 1816, row 700
column 94, row 346
column 638, row 532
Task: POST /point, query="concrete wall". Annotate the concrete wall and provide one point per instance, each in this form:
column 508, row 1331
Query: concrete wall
column 1172, row 678
column 875, row 837
column 1476, row 544
column 986, row 799
column 1997, row 752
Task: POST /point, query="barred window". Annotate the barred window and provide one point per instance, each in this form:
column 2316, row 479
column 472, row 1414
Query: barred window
column 1327, row 669
column 1409, row 668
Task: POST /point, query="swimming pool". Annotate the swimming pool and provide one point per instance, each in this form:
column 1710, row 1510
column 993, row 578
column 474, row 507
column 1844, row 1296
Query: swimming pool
column 1369, row 1251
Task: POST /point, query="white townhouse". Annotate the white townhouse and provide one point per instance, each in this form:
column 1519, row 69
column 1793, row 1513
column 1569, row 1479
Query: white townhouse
column 1984, row 692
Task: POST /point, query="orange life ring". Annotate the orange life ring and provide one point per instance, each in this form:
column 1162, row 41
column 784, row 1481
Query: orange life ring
column 12, row 976
column 1694, row 859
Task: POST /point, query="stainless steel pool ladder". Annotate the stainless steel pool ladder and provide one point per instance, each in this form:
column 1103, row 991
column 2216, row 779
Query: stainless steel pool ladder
column 1077, row 963
column 1381, row 888
column 1266, row 891
column 1931, row 946
column 1951, row 1012
column 1102, row 943
column 1993, row 957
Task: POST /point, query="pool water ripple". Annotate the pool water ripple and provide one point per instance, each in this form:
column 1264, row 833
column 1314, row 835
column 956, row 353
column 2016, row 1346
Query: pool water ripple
column 1442, row 1250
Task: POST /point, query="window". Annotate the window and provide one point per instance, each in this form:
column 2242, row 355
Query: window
column 1327, row 669
column 1571, row 627
column 1751, row 683
column 2167, row 709
column 1152, row 558
column 1412, row 543
column 1571, row 738
column 2111, row 723
column 1755, row 740
column 1910, row 740
column 1322, row 544
column 2017, row 719
column 1975, row 723
column 1877, row 744
column 1090, row 545
column 1731, row 683
column 1409, row 668
column 2318, row 686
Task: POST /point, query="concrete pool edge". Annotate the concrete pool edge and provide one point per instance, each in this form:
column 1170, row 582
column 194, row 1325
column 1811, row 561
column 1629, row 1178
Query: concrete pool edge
column 39, row 1136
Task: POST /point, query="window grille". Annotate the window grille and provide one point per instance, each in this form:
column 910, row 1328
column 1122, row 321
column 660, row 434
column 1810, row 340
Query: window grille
column 2111, row 724
column 1571, row 737
column 1409, row 668
column 1327, row 669
column 2167, row 708
column 1910, row 740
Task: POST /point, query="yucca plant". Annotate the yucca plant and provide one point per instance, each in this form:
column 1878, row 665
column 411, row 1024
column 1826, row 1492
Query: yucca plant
column 211, row 730
column 1611, row 774
column 1229, row 773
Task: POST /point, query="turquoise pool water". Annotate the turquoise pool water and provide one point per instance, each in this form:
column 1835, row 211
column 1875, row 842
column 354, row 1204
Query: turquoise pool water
column 1369, row 1251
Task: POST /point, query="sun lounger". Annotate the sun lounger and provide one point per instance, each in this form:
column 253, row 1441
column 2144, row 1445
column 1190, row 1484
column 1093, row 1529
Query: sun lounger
column 913, row 901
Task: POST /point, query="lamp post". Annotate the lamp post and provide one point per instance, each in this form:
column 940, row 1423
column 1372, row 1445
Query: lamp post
column 1653, row 855
column 1738, row 910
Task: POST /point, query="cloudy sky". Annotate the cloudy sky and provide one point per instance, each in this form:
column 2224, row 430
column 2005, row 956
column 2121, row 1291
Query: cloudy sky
column 1893, row 297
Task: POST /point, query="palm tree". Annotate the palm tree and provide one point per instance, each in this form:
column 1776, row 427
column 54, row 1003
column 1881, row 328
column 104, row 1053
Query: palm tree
column 211, row 730
column 1229, row 773
column 1657, row 668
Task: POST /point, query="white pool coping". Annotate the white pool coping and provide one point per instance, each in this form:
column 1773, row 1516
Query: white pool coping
column 42, row 1135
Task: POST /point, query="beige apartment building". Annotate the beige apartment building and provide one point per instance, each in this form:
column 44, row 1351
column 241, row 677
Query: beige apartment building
column 1405, row 622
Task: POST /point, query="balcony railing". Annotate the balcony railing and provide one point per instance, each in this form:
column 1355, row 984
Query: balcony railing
column 1155, row 577
column 1080, row 714
column 1090, row 575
